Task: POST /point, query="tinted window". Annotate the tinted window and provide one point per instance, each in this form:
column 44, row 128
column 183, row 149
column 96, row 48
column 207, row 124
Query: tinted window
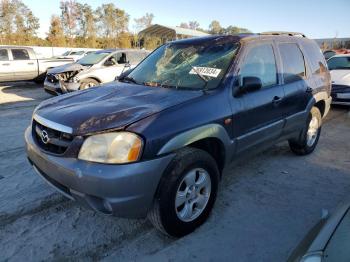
column 293, row 62
column 260, row 62
column 316, row 59
column 339, row 62
column 4, row 56
column 20, row 54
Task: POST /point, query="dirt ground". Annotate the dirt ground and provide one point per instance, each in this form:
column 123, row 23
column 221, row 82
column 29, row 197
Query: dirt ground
column 265, row 206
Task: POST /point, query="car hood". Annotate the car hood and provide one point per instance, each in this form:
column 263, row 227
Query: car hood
column 67, row 68
column 111, row 106
column 340, row 77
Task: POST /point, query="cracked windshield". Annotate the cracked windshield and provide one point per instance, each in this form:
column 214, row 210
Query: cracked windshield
column 186, row 66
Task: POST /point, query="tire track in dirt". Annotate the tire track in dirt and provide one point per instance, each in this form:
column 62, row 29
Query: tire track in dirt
column 47, row 203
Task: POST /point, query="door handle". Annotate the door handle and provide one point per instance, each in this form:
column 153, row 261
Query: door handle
column 276, row 100
column 6, row 64
column 30, row 63
column 308, row 90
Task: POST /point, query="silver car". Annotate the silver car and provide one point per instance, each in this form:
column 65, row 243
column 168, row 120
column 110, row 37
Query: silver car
column 93, row 69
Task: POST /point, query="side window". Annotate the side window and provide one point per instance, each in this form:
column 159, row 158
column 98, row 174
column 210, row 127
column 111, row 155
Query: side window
column 292, row 61
column 121, row 58
column 135, row 57
column 4, row 55
column 260, row 62
column 20, row 54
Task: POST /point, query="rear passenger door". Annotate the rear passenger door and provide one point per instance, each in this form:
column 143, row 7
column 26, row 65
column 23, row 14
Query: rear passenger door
column 297, row 87
column 6, row 71
column 260, row 118
column 25, row 67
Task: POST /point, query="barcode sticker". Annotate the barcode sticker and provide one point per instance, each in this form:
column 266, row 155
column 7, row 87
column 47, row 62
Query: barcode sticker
column 206, row 71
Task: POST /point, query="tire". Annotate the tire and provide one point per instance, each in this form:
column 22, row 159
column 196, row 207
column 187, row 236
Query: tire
column 307, row 142
column 87, row 83
column 164, row 214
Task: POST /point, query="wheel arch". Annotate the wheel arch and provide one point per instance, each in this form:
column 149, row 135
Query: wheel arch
column 211, row 138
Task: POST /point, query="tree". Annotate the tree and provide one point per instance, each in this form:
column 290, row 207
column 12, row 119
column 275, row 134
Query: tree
column 87, row 20
column 143, row 22
column 215, row 27
column 112, row 22
column 18, row 23
column 184, row 25
column 7, row 13
column 193, row 25
column 69, row 18
column 56, row 34
column 235, row 30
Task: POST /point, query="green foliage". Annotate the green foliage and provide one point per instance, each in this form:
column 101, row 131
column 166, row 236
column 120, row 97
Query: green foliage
column 79, row 25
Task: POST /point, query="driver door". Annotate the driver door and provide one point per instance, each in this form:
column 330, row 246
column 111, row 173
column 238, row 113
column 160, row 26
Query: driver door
column 258, row 116
column 114, row 66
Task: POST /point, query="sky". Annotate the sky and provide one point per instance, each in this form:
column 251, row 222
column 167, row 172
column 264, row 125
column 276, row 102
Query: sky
column 316, row 19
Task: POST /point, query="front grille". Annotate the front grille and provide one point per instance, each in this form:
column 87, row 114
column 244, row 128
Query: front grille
column 51, row 78
column 57, row 142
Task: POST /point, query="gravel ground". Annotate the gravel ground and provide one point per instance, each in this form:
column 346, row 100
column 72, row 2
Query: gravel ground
column 266, row 204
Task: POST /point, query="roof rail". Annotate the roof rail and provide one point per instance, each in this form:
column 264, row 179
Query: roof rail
column 283, row 33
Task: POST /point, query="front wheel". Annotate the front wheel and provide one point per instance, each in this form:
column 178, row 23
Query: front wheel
column 186, row 193
column 309, row 136
column 87, row 83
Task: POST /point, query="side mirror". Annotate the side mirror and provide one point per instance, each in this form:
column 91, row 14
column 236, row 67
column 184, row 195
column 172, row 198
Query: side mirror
column 251, row 84
column 109, row 63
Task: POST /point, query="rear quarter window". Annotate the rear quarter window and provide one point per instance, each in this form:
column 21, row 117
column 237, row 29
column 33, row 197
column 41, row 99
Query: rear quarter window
column 292, row 61
column 316, row 60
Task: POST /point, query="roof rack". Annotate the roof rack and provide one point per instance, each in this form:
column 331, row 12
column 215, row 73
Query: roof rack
column 283, row 33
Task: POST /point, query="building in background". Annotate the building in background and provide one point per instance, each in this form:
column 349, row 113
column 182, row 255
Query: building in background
column 167, row 33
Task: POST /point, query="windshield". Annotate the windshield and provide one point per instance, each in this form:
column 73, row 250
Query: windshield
column 186, row 65
column 77, row 53
column 92, row 58
column 66, row 53
column 340, row 62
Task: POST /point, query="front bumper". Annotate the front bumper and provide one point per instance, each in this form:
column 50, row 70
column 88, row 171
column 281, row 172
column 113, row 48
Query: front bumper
column 121, row 190
column 57, row 88
column 340, row 95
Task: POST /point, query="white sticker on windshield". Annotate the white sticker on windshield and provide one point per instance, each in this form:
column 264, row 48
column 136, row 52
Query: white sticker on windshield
column 206, row 71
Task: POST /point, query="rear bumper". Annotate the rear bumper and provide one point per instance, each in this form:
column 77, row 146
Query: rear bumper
column 121, row 190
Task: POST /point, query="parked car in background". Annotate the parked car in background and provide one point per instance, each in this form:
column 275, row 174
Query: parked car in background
column 156, row 142
column 328, row 240
column 339, row 66
column 20, row 63
column 76, row 54
column 93, row 69
column 329, row 53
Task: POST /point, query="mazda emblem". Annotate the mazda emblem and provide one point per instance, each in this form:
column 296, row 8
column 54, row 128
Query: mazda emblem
column 45, row 137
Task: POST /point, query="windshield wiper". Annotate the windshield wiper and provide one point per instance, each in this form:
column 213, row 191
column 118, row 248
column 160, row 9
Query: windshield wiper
column 205, row 80
column 129, row 79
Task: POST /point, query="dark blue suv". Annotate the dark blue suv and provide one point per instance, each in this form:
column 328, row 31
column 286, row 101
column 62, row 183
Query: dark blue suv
column 156, row 141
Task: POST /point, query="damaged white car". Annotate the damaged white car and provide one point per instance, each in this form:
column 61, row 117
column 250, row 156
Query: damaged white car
column 93, row 69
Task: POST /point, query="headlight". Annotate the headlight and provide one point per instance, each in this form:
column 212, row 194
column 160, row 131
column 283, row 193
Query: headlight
column 113, row 148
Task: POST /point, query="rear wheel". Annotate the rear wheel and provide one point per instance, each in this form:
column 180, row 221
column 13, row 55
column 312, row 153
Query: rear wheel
column 87, row 83
column 309, row 136
column 186, row 193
